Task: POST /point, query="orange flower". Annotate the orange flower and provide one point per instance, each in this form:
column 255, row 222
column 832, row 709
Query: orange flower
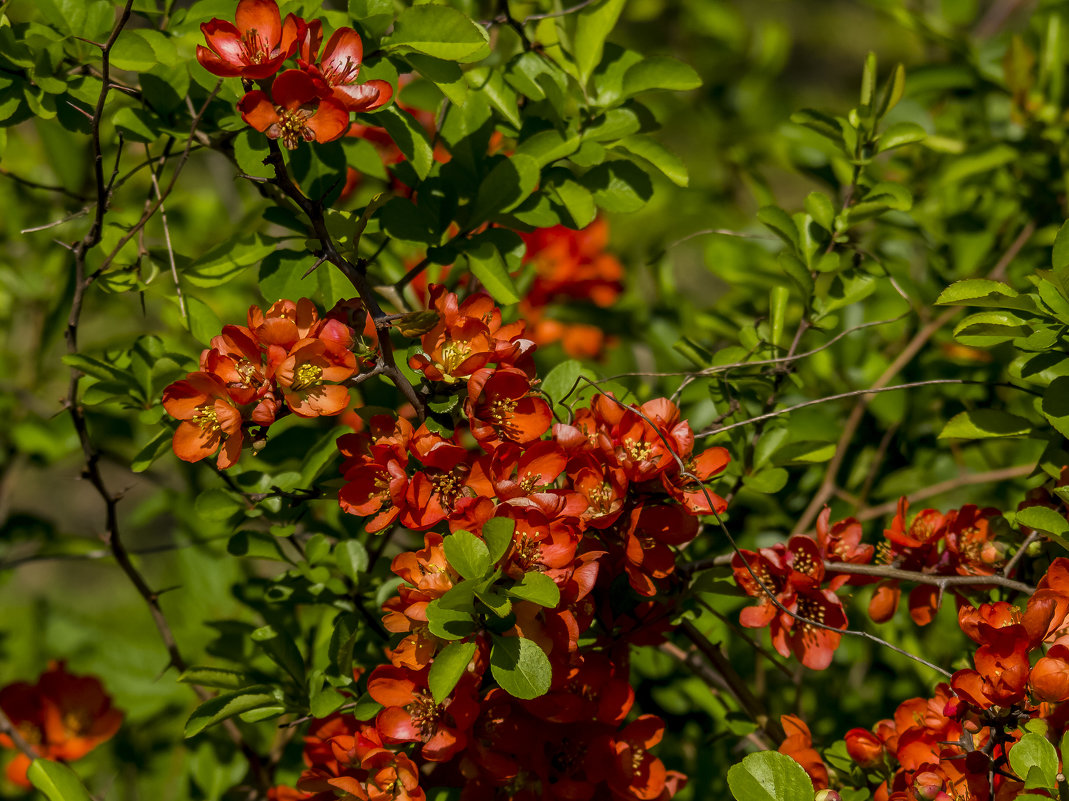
column 294, row 111
column 798, row 745
column 311, row 376
column 210, row 421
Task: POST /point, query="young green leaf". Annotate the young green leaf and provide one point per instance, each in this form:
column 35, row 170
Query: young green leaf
column 497, row 534
column 57, row 781
column 438, row 31
column 448, row 666
column 538, row 588
column 592, row 26
column 769, row 776
column 467, row 554
column 227, row 705
column 520, row 667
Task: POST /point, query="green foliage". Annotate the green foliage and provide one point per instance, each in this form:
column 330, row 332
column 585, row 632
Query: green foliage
column 769, row 776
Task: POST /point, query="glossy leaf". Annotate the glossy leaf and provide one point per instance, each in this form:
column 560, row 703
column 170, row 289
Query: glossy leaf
column 520, row 667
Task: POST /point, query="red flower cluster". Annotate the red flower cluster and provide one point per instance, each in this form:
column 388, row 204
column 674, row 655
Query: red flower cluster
column 954, row 745
column 287, row 359
column 61, row 717
column 571, row 266
column 571, row 743
column 961, row 542
column 612, row 492
column 792, row 574
column 311, row 102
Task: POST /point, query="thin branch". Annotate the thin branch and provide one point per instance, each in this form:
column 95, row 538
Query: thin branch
column 824, row 493
column 829, row 398
column 9, row 728
column 988, row 477
column 1010, row 565
column 167, row 232
column 43, row 187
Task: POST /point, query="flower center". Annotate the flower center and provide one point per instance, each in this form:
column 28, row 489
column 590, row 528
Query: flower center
column 425, row 714
column 448, row 486
column 453, row 355
column 293, row 126
column 30, row 733
column 340, row 75
column 256, row 50
column 77, row 721
column 528, row 555
column 207, row 418
column 529, row 482
column 639, row 451
column 808, row 608
column 306, row 376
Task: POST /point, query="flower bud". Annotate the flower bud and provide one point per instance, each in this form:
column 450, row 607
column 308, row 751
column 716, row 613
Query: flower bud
column 827, row 795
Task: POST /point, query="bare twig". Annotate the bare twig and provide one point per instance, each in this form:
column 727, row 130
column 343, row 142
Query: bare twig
column 905, row 356
column 9, row 728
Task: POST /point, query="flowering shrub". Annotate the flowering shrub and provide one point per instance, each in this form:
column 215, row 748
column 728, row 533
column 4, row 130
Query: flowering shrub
column 437, row 440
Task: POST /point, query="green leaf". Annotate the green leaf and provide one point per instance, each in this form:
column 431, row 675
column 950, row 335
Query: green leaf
column 467, row 554
column 497, row 534
column 824, row 125
column 520, row 667
column 990, row 328
column 984, row 424
column 1043, row 518
column 438, row 31
column 655, row 153
column 447, row 623
column 546, row 147
column 660, row 72
column 99, row 369
column 282, row 649
column 820, row 208
column 1060, row 254
column 508, row 184
column 538, row 588
column 893, row 91
column 227, row 705
column 768, row 481
column 868, row 81
column 488, row 265
column 899, row 135
column 1034, row 758
column 220, row 678
column 446, row 75
column 56, row 781
column 448, row 666
column 780, row 223
column 153, row 450
column 984, row 292
column 618, row 186
column 769, row 776
column 411, row 138
column 136, row 124
column 592, row 27
column 227, row 261
column 561, row 380
column 217, row 504
column 502, row 97
column 1055, row 404
column 352, row 558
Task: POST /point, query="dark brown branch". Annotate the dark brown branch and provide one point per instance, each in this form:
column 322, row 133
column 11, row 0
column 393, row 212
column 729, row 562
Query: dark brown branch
column 354, row 273
column 9, row 728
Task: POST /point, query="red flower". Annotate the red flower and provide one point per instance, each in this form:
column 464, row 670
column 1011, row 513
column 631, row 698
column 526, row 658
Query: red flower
column 339, row 68
column 255, row 47
column 500, row 407
column 63, row 717
column 411, row 715
column 1050, row 675
column 294, row 111
column 798, row 745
